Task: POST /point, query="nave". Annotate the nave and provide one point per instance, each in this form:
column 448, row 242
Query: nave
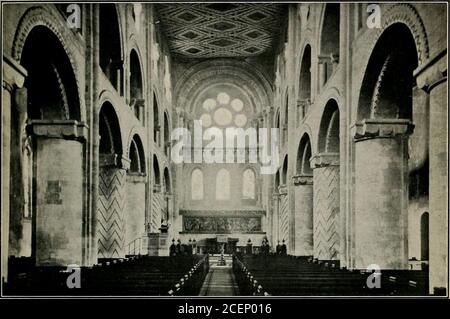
column 213, row 275
column 352, row 175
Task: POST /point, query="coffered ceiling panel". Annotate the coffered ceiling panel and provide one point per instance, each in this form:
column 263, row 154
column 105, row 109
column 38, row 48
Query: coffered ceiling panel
column 220, row 29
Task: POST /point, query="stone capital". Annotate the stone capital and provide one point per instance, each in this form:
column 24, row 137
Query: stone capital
column 324, row 159
column 282, row 189
column 381, row 128
column 64, row 129
column 114, row 160
column 302, row 179
column 13, row 74
column 432, row 72
column 157, row 188
column 275, row 196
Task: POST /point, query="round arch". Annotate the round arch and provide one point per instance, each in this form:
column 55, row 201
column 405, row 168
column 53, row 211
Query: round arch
column 304, row 154
column 386, row 90
column 328, row 141
column 203, row 74
column 109, row 129
column 136, row 155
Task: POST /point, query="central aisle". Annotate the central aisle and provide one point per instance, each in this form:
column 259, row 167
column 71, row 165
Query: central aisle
column 219, row 281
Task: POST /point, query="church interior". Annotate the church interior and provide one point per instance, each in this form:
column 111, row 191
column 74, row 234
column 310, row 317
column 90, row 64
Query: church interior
column 358, row 202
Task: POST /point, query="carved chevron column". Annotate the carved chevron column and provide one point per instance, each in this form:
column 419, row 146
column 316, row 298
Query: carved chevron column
column 326, row 206
column 283, row 225
column 111, row 204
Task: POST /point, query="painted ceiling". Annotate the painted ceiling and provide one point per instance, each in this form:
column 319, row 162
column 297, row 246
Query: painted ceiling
column 220, row 29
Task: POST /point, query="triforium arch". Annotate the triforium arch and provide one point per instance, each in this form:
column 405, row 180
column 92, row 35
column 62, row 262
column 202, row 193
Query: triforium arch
column 329, row 42
column 167, row 132
column 325, row 165
column 156, row 122
column 46, row 146
column 136, row 83
column 303, row 199
column 112, row 185
column 384, row 125
column 110, row 45
column 304, row 83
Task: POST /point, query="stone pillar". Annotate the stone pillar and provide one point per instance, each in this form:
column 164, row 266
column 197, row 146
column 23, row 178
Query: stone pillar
column 381, row 193
column 433, row 79
column 58, row 171
column 13, row 78
column 111, row 205
column 326, row 206
column 303, row 215
column 275, row 218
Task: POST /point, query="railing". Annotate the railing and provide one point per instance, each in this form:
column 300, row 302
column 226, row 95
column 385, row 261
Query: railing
column 135, row 247
column 191, row 283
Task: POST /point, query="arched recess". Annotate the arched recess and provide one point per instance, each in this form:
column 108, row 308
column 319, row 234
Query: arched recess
column 166, row 134
column 136, row 86
column 167, row 181
column 329, row 42
column 137, row 155
column 329, row 129
column 304, row 83
column 223, row 185
column 303, row 166
column 41, row 152
column 284, row 174
column 286, row 119
column 383, row 147
column 197, row 186
column 112, row 186
column 156, row 172
column 111, row 56
column 156, row 125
